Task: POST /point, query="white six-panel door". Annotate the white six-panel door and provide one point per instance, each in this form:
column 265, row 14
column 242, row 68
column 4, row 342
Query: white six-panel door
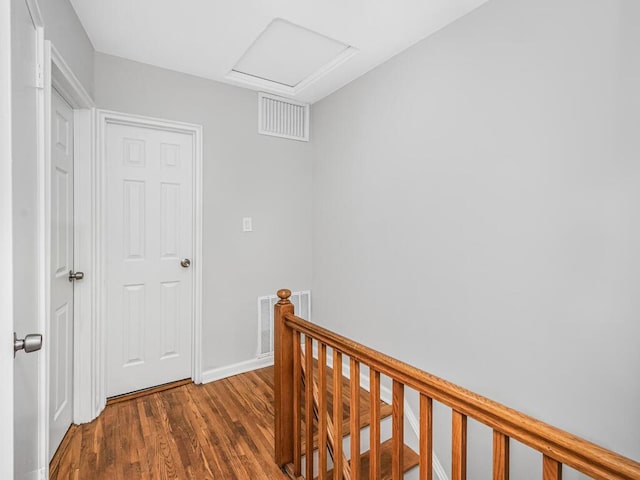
column 149, row 220
column 27, row 442
column 61, row 327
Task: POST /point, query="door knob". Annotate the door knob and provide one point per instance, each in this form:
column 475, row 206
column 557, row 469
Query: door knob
column 185, row 262
column 75, row 276
column 30, row 343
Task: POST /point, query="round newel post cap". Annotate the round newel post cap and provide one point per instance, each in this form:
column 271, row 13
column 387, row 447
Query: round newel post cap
column 284, row 295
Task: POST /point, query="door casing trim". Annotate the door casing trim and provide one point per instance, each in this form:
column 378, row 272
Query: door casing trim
column 105, row 118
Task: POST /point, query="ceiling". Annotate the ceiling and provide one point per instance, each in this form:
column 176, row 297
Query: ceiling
column 220, row 40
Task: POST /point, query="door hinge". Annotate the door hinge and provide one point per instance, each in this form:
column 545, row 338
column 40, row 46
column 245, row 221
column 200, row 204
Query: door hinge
column 39, row 75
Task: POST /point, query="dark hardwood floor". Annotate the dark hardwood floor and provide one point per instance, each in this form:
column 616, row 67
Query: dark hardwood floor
column 221, row 430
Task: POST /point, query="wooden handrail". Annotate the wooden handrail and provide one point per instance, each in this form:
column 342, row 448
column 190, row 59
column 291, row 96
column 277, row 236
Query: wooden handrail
column 555, row 444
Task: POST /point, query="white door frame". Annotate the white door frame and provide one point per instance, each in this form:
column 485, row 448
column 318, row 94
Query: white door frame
column 58, row 75
column 105, row 118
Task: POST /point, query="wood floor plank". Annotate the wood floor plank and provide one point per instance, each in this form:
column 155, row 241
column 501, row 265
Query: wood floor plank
column 67, row 442
column 221, row 430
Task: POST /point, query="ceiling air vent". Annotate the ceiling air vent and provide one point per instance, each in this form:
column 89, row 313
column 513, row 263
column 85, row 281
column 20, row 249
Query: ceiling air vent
column 281, row 117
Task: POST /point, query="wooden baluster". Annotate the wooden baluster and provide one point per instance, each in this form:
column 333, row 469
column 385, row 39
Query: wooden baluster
column 551, row 469
column 283, row 380
column 426, row 438
column 329, row 433
column 322, row 411
column 397, row 455
column 297, row 404
column 500, row 456
column 459, row 447
column 308, row 404
column 374, row 428
column 354, row 418
column 337, row 415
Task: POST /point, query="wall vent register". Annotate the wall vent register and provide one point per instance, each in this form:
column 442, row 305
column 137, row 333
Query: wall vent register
column 281, row 117
column 302, row 303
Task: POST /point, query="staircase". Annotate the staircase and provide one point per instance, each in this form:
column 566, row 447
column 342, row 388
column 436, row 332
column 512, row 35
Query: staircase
column 316, row 408
column 363, row 402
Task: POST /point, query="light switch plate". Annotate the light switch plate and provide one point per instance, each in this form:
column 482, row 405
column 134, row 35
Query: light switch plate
column 247, row 225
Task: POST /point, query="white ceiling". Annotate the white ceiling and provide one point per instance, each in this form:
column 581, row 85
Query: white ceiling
column 208, row 38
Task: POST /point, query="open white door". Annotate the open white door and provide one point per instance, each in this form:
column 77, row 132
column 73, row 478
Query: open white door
column 6, row 250
column 61, row 326
column 25, row 228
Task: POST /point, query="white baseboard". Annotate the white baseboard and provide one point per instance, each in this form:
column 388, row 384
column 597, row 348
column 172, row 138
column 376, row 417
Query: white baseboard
column 236, row 369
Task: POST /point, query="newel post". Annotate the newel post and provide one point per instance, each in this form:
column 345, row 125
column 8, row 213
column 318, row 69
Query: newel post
column 283, row 380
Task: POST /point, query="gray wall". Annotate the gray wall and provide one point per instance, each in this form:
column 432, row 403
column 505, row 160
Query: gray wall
column 477, row 213
column 63, row 28
column 245, row 174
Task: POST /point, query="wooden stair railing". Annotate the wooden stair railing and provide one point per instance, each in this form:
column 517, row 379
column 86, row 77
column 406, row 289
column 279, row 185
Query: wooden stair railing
column 312, row 407
column 313, row 411
column 557, row 447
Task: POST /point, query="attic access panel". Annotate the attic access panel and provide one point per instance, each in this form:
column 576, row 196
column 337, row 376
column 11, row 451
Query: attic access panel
column 290, row 56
